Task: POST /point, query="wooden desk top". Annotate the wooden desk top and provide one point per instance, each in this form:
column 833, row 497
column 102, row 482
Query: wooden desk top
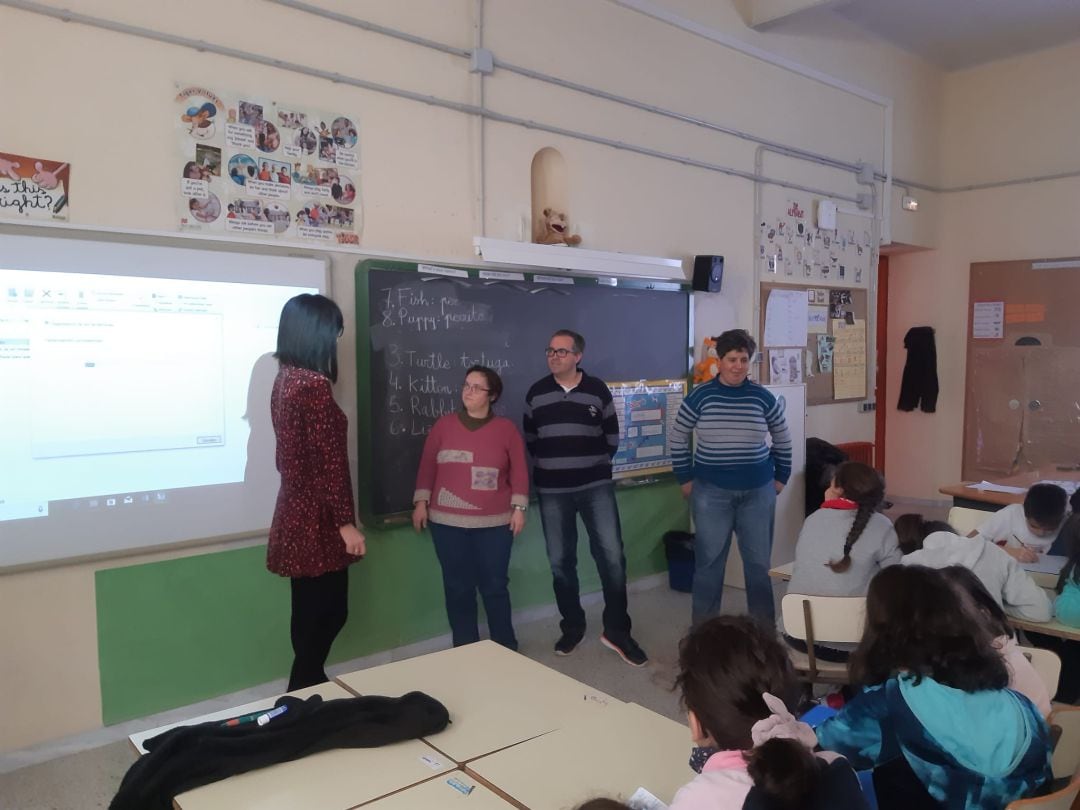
column 1054, row 628
column 1025, row 480
column 439, row 793
column 782, row 572
column 611, row 755
column 330, row 780
column 495, row 697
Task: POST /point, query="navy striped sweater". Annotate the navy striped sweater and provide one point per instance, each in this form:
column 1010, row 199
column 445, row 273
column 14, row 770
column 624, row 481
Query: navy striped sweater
column 732, row 422
column 571, row 435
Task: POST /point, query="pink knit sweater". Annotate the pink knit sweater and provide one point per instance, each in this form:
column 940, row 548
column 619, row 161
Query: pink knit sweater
column 471, row 477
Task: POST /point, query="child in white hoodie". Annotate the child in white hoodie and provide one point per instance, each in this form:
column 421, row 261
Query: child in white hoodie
column 935, row 545
column 737, row 682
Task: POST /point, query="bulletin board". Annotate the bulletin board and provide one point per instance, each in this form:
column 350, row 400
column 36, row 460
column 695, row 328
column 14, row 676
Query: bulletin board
column 1023, row 360
column 833, row 361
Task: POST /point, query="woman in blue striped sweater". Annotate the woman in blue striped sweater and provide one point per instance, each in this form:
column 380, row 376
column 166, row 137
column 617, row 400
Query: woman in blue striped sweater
column 733, row 477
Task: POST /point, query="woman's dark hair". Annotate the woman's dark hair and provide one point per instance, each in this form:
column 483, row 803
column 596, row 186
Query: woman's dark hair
column 917, row 622
column 912, row 529
column 996, row 620
column 725, row 665
column 863, row 485
column 603, row 804
column 735, row 340
column 494, row 381
column 1070, row 534
column 308, row 332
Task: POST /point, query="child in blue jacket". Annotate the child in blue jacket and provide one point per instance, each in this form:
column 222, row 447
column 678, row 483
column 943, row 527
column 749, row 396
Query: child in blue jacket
column 936, row 722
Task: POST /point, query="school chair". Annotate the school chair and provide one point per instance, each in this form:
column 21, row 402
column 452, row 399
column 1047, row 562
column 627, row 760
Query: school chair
column 1047, row 665
column 822, row 620
column 1065, row 799
column 1066, row 760
column 965, row 520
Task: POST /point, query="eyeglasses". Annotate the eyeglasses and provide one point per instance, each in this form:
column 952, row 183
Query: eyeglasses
column 550, row 352
column 476, row 389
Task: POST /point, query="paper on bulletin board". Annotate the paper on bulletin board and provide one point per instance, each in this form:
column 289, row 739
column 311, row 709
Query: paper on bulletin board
column 988, row 320
column 817, row 320
column 849, row 359
column 825, row 344
column 785, row 366
column 785, row 318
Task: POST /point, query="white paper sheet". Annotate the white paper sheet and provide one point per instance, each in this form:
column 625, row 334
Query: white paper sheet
column 785, row 318
column 986, row 486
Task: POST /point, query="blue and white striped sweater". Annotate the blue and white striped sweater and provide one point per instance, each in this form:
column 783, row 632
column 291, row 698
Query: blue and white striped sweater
column 732, row 423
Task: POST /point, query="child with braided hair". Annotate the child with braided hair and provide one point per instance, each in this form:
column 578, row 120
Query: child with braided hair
column 844, row 543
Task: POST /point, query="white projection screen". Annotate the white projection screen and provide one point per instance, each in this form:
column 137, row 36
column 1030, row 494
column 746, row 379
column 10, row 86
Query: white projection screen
column 134, row 393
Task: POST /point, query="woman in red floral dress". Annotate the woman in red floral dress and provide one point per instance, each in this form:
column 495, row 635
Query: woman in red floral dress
column 313, row 537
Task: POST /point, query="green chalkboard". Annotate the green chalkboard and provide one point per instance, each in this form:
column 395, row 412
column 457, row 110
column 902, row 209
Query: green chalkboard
column 417, row 332
column 179, row 631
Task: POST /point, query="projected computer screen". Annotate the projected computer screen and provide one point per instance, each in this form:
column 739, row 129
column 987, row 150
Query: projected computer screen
column 134, row 393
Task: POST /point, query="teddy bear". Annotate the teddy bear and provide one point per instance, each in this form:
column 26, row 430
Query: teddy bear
column 553, row 229
column 709, row 365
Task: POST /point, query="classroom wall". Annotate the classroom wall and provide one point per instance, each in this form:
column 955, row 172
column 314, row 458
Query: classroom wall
column 108, row 111
column 994, row 127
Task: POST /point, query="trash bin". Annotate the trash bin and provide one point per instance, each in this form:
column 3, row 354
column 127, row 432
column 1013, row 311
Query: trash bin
column 679, row 550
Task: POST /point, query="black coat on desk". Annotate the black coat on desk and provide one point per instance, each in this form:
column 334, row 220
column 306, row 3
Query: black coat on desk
column 188, row 757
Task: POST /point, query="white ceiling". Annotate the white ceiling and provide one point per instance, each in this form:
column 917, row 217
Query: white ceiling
column 962, row 33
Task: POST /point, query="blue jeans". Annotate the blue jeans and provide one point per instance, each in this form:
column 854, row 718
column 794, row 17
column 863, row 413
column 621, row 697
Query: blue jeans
column 476, row 560
column 750, row 513
column 600, row 514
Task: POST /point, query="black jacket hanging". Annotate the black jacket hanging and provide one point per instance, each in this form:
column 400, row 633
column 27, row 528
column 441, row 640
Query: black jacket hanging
column 187, row 757
column 919, row 386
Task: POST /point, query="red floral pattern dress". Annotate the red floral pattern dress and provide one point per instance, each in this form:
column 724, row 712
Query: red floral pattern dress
column 315, row 499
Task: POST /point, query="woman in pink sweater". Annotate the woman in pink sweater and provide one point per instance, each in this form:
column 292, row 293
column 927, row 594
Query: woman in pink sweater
column 472, row 489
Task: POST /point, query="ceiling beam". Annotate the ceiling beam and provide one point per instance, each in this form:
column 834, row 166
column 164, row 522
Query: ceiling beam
column 760, row 14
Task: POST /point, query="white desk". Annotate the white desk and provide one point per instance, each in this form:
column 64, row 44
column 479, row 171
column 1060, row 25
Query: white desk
column 495, row 697
column 610, row 754
column 437, row 793
column 330, row 780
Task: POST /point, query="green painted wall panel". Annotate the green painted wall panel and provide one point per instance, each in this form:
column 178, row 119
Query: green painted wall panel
column 180, row 631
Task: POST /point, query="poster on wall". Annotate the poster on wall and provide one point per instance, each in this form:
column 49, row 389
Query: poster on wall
column 247, row 164
column 33, row 188
column 791, row 248
column 646, row 411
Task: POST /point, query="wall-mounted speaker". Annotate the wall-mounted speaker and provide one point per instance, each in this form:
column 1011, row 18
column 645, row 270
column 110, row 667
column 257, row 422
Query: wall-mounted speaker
column 708, row 273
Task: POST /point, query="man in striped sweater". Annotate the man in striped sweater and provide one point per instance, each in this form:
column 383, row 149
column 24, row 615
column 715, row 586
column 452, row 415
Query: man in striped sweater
column 572, row 433
column 733, row 478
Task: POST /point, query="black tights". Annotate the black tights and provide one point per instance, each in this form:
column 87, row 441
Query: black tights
column 320, row 606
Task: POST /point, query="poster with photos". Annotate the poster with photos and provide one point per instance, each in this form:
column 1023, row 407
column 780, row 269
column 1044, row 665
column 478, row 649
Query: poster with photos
column 251, row 165
column 792, row 249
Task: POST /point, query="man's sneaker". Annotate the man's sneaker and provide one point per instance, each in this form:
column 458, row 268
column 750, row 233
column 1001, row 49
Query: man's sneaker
column 567, row 642
column 628, row 651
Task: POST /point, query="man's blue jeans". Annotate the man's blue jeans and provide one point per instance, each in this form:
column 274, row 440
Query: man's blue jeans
column 750, row 513
column 476, row 560
column 600, row 514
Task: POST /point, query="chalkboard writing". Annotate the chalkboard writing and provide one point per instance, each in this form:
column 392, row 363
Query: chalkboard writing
column 424, row 331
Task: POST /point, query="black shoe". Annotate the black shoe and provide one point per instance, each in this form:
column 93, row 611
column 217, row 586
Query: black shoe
column 628, row 651
column 567, row 643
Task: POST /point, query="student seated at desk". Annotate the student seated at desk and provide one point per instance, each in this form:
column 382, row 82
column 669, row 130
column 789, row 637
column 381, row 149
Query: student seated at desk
column 936, row 720
column 1028, row 530
column 1067, row 607
column 737, row 683
column 1067, row 604
column 844, row 543
column 936, row 545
